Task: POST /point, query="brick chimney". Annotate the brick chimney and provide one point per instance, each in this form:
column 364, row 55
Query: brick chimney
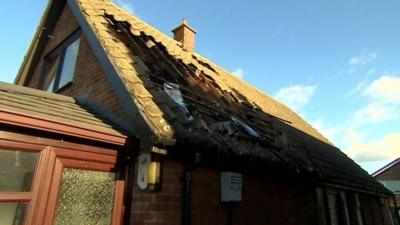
column 185, row 35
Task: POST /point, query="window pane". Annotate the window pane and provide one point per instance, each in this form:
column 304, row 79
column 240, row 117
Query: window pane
column 332, row 208
column 51, row 74
column 16, row 170
column 12, row 213
column 86, row 197
column 51, row 85
column 69, row 63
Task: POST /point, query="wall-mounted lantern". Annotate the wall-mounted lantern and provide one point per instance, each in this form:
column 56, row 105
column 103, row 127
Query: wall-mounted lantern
column 149, row 166
column 154, row 175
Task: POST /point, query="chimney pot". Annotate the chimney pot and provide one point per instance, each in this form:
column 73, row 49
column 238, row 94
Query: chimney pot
column 186, row 35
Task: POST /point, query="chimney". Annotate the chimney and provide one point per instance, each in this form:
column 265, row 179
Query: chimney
column 185, row 35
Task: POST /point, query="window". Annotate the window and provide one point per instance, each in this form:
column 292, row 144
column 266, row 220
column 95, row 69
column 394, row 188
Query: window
column 358, row 210
column 17, row 169
column 332, row 208
column 321, row 206
column 60, row 65
column 343, row 208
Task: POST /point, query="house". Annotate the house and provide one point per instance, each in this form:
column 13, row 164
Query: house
column 130, row 126
column 389, row 176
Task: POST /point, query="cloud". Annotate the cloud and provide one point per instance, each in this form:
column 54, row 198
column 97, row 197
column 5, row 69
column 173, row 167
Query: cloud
column 385, row 89
column 384, row 101
column 383, row 96
column 360, row 85
column 386, row 147
column 238, row 73
column 296, row 96
column 330, row 132
column 354, row 136
column 375, row 112
column 125, row 4
column 363, row 59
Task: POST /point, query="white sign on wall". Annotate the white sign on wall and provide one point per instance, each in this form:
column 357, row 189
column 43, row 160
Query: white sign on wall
column 143, row 161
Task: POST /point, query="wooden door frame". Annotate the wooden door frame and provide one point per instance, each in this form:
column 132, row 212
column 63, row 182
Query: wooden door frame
column 31, row 196
column 54, row 155
column 63, row 158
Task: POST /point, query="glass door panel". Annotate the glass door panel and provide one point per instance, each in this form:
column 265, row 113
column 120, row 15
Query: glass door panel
column 86, row 197
column 16, row 170
column 12, row 213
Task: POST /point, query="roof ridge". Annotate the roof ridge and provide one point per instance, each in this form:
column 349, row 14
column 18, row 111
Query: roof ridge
column 34, row 92
column 385, row 167
column 145, row 23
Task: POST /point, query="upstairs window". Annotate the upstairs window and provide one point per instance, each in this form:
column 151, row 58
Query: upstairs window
column 60, row 65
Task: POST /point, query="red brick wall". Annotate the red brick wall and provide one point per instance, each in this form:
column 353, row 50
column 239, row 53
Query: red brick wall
column 89, row 77
column 266, row 200
column 206, row 205
column 272, row 201
column 391, row 174
column 64, row 27
column 163, row 207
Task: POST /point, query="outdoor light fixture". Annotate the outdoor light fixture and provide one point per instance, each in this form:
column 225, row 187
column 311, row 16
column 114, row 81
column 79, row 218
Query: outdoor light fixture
column 149, row 167
column 153, row 175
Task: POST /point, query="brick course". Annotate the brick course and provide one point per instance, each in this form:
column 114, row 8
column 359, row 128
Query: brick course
column 163, row 207
column 266, row 200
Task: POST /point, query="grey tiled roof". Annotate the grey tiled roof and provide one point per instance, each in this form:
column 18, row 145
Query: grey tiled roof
column 54, row 107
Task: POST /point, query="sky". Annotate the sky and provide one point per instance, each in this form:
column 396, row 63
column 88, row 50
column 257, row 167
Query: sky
column 336, row 63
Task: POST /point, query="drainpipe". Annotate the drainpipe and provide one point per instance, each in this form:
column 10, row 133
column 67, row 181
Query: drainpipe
column 187, row 197
column 194, row 162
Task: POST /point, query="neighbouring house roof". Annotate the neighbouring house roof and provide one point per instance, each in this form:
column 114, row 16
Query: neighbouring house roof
column 386, row 167
column 393, row 185
column 184, row 99
column 48, row 111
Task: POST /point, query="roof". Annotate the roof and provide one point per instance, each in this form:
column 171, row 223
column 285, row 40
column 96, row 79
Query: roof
column 183, row 99
column 393, row 185
column 31, row 107
column 228, row 86
column 189, row 98
column 386, row 167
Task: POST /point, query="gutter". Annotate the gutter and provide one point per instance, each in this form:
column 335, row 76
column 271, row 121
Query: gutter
column 35, row 122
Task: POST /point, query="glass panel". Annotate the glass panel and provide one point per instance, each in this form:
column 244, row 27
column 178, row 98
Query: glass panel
column 332, row 208
column 16, row 170
column 51, row 74
column 86, row 197
column 12, row 213
column 69, row 63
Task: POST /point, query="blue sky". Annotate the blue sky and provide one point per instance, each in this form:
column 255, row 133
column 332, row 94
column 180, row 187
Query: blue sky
column 334, row 62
